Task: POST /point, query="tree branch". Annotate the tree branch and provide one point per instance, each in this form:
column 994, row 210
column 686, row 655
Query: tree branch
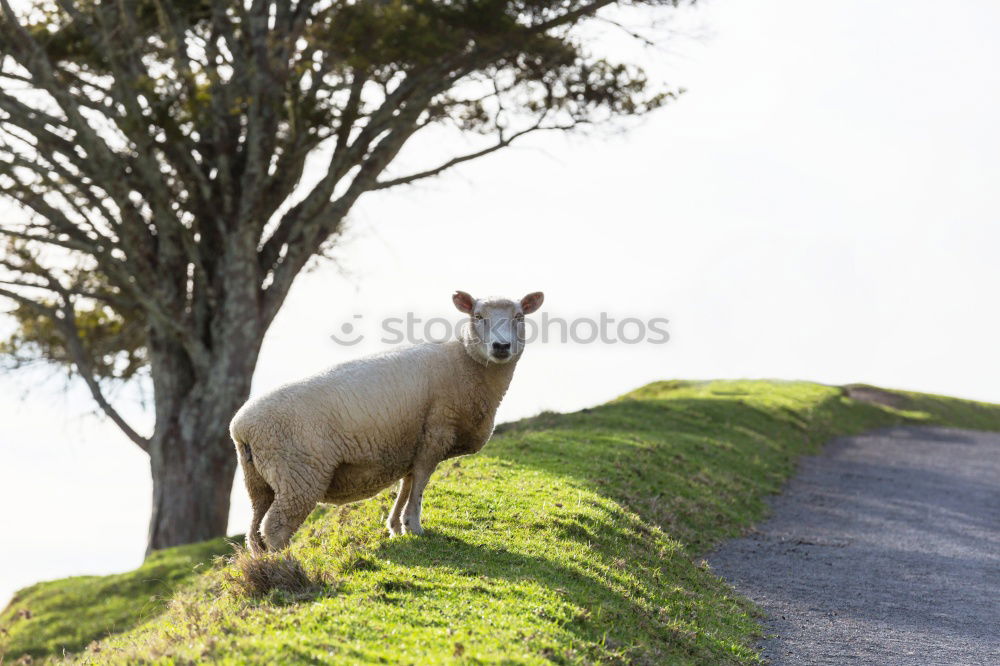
column 67, row 326
column 572, row 16
column 455, row 161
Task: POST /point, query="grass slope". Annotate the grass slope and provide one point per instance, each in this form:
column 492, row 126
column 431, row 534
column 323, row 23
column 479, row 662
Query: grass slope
column 66, row 615
column 572, row 538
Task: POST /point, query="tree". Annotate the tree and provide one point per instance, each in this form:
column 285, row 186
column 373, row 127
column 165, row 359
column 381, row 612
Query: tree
column 157, row 151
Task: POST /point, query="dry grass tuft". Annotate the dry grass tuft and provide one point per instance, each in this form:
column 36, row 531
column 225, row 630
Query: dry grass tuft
column 257, row 576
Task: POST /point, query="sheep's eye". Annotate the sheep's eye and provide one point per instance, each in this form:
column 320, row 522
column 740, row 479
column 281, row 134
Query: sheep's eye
column 478, row 316
column 519, row 316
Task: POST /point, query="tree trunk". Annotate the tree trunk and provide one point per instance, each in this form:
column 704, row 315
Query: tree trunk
column 192, row 458
column 192, row 482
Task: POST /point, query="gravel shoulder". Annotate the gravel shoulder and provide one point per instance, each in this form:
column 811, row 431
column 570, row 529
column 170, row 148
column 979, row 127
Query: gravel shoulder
column 884, row 549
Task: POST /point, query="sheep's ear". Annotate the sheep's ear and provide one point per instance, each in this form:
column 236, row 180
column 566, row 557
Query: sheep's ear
column 463, row 301
column 532, row 302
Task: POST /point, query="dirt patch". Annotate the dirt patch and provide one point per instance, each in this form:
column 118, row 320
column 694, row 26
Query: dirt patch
column 875, row 396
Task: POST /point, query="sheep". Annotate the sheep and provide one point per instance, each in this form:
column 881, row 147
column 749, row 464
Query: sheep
column 347, row 433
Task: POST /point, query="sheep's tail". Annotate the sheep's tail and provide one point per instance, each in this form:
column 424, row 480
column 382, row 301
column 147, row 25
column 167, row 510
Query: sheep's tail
column 261, row 496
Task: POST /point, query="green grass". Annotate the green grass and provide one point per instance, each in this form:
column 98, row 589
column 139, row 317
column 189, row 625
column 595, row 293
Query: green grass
column 68, row 614
column 572, row 538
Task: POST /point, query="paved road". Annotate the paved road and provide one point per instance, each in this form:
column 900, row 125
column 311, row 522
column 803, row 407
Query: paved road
column 884, row 549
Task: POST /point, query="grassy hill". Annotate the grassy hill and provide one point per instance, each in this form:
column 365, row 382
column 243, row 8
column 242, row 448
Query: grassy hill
column 68, row 614
column 572, row 538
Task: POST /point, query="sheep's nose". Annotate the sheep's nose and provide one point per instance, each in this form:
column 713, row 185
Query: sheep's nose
column 503, row 347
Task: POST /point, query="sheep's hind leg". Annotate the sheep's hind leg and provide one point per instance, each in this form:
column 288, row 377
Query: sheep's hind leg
column 260, row 503
column 291, row 506
column 394, row 523
column 261, row 497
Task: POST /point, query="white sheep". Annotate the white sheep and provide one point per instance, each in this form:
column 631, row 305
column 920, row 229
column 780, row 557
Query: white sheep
column 347, row 433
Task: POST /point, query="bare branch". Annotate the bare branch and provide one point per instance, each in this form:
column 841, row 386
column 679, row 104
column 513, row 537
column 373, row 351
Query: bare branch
column 64, row 318
column 455, row 161
column 23, row 48
column 572, row 16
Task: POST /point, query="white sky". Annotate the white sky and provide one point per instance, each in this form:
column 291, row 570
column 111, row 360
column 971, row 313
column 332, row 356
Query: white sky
column 822, row 204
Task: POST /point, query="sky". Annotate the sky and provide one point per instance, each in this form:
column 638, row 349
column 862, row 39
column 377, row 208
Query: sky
column 821, row 204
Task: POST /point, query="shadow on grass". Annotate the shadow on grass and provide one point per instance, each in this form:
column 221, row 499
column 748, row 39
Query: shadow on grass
column 620, row 607
column 698, row 468
column 68, row 614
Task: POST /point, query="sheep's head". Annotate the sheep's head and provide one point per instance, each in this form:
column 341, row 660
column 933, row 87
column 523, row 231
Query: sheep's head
column 495, row 330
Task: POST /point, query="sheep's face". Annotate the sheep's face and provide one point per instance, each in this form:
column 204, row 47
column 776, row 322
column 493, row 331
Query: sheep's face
column 495, row 330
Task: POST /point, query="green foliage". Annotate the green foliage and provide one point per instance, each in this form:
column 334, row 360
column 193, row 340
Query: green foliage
column 114, row 345
column 68, row 614
column 161, row 145
column 573, row 538
column 552, row 70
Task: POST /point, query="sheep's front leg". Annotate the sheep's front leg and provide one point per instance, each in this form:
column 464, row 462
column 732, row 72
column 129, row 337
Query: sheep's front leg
column 394, row 523
column 411, row 514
